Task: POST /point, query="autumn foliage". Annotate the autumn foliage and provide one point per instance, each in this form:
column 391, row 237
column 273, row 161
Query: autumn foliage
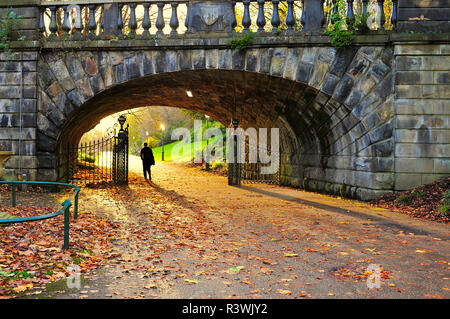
column 428, row 201
column 31, row 253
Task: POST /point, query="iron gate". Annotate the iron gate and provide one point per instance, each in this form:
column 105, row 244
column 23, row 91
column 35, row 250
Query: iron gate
column 101, row 161
column 251, row 172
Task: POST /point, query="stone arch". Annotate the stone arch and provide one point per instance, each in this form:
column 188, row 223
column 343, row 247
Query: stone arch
column 334, row 106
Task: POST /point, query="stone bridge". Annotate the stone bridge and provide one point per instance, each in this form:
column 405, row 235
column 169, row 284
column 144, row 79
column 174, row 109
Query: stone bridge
column 373, row 116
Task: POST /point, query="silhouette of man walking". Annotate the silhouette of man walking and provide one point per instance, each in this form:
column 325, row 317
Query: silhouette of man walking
column 147, row 161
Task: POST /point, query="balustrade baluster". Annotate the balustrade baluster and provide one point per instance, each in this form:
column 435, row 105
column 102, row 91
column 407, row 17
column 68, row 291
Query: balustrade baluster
column 120, row 19
column 246, row 21
column 160, row 24
column 92, row 24
column 335, row 11
column 275, row 16
column 132, row 24
column 261, row 20
column 188, row 15
column 290, row 19
column 146, row 24
column 350, row 13
column 303, row 17
column 65, row 26
column 364, row 8
column 174, row 24
column 102, row 21
column 380, row 14
column 53, row 27
column 394, row 13
column 41, row 20
column 234, row 20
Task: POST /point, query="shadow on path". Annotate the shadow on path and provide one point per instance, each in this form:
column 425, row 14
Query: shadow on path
column 180, row 199
column 381, row 221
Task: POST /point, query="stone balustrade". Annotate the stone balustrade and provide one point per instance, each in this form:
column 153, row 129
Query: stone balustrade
column 97, row 18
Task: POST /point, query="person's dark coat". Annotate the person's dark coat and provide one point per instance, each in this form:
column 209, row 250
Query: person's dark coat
column 147, row 156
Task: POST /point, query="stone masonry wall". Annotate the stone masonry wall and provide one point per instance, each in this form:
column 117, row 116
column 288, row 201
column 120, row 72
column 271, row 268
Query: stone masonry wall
column 374, row 117
column 422, row 112
column 337, row 103
column 18, row 92
column 18, row 79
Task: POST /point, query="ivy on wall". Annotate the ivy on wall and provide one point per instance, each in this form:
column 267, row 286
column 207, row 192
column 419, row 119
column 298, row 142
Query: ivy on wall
column 7, row 26
column 342, row 29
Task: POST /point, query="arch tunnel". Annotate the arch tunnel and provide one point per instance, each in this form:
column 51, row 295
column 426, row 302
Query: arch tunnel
column 258, row 101
column 328, row 136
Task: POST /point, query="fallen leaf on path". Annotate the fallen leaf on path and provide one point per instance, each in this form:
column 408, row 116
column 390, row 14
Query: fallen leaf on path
column 284, row 292
column 266, row 270
column 19, row 289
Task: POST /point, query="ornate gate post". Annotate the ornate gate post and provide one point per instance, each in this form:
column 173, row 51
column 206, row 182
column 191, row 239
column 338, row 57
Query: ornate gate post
column 234, row 169
column 211, row 16
column 120, row 164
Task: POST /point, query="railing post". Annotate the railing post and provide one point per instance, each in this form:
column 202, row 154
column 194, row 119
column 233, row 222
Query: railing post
column 394, row 14
column 290, row 19
column 13, row 195
column 174, row 24
column 120, row 19
column 350, row 13
column 246, row 21
column 160, row 24
column 146, row 24
column 102, row 21
column 41, row 20
column 275, row 16
column 233, row 18
column 303, row 17
column 66, row 226
column 53, row 27
column 380, row 14
column 364, row 7
column 65, row 25
column 92, row 24
column 188, row 16
column 75, row 207
column 335, row 11
column 261, row 20
column 132, row 24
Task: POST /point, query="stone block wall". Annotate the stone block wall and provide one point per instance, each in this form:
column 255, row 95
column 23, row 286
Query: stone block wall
column 18, row 91
column 373, row 117
column 427, row 16
column 28, row 22
column 18, row 107
column 422, row 114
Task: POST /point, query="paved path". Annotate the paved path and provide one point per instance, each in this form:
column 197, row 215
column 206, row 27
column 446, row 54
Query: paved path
column 190, row 235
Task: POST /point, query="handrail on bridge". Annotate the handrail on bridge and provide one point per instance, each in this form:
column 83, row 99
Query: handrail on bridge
column 65, row 209
column 79, row 18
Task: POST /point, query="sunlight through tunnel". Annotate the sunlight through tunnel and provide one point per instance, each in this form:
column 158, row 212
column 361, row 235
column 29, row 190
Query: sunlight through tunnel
column 320, row 136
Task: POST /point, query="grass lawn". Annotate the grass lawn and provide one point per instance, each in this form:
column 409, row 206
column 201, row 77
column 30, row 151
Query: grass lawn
column 170, row 153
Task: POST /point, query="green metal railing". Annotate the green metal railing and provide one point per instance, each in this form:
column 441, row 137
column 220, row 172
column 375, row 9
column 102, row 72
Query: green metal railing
column 65, row 209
